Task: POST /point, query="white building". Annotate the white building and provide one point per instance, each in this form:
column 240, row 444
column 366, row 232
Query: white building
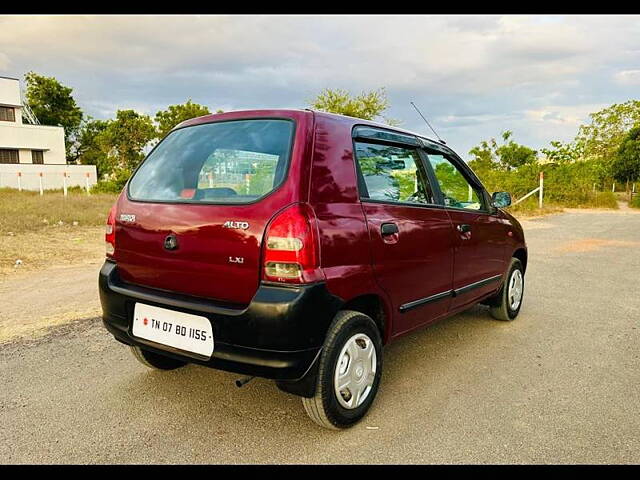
column 31, row 155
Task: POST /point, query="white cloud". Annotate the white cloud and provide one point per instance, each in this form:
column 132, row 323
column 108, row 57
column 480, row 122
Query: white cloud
column 473, row 75
column 566, row 115
column 4, row 61
column 628, row 77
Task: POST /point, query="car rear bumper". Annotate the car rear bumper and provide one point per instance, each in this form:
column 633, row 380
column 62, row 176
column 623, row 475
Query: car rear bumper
column 279, row 335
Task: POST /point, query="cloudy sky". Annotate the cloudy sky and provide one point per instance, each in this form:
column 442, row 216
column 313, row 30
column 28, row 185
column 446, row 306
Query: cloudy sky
column 473, row 76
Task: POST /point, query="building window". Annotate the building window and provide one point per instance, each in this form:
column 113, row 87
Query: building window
column 37, row 156
column 8, row 156
column 7, row 114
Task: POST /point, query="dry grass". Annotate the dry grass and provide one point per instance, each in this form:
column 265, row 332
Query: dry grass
column 52, row 246
column 531, row 210
column 24, row 211
column 41, row 231
column 529, row 207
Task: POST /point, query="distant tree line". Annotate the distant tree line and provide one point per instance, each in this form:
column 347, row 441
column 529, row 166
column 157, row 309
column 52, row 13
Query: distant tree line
column 117, row 145
column 606, row 149
column 609, row 140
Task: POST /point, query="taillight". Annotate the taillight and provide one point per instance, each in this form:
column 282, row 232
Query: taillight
column 291, row 247
column 110, row 232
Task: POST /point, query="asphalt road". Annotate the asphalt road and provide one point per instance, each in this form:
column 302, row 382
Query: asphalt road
column 559, row 384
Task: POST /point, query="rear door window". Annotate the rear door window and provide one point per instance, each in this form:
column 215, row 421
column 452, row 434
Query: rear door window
column 392, row 174
column 236, row 161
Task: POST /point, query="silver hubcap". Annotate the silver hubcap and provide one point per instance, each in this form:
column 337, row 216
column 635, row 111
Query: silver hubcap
column 355, row 371
column 515, row 289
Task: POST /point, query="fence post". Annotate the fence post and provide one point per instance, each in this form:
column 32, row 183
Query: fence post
column 19, row 181
column 64, row 184
column 86, row 181
column 541, row 191
column 613, row 189
column 40, row 180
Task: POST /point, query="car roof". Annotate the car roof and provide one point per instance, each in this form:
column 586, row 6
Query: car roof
column 293, row 112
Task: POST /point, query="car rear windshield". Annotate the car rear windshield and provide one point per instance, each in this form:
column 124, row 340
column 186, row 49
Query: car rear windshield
column 235, row 161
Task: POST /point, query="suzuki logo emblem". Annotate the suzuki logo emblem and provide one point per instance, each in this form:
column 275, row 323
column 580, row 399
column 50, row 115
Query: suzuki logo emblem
column 171, row 242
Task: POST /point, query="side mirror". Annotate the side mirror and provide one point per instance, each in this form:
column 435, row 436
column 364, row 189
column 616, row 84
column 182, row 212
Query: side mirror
column 501, row 199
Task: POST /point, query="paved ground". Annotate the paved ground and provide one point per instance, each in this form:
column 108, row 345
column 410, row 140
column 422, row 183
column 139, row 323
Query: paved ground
column 560, row 384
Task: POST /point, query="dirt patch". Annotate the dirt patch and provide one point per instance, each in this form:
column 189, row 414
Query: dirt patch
column 33, row 334
column 623, row 209
column 534, row 225
column 64, row 245
column 592, row 244
column 32, row 303
column 39, row 232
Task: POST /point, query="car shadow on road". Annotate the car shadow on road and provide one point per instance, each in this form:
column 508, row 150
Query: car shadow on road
column 197, row 392
column 425, row 355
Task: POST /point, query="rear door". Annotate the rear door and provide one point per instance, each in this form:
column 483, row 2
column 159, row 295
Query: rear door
column 479, row 236
column 410, row 235
column 194, row 213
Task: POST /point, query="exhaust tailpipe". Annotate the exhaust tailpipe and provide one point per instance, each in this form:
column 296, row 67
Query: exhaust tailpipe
column 243, row 381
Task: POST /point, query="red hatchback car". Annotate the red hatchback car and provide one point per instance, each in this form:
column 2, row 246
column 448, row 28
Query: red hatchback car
column 293, row 244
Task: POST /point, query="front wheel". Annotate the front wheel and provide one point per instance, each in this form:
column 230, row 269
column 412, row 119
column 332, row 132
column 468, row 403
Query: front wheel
column 349, row 372
column 507, row 302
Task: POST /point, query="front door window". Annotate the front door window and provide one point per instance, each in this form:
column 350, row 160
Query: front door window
column 456, row 190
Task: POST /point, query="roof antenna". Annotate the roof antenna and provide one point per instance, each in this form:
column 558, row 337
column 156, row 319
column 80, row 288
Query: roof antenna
column 427, row 122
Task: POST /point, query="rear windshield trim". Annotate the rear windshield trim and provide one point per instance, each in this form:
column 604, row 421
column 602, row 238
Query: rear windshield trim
column 236, row 204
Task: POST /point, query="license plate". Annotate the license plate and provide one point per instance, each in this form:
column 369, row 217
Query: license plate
column 184, row 331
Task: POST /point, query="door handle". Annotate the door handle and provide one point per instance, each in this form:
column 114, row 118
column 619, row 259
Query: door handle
column 464, row 228
column 388, row 229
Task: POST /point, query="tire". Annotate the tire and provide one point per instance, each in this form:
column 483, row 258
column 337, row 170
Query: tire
column 349, row 332
column 501, row 306
column 156, row 361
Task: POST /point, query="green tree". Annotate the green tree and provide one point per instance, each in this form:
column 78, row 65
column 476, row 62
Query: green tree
column 90, row 149
column 626, row 164
column 513, row 155
column 53, row 104
column 367, row 105
column 602, row 137
column 509, row 155
column 123, row 140
column 484, row 156
column 561, row 152
column 175, row 114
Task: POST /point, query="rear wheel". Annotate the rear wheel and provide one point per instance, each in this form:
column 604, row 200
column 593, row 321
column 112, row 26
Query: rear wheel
column 507, row 302
column 156, row 361
column 349, row 372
